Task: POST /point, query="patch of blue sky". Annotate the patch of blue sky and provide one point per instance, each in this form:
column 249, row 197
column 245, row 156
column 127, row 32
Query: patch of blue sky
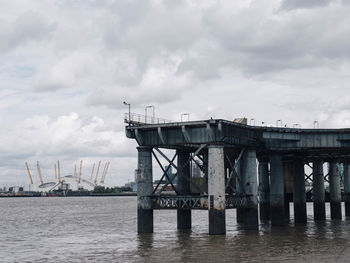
column 25, row 71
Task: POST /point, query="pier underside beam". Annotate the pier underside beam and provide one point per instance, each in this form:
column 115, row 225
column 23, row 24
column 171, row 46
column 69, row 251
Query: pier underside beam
column 216, row 189
column 318, row 191
column 299, row 193
column 183, row 187
column 276, row 190
column 334, row 189
column 264, row 190
column 144, row 190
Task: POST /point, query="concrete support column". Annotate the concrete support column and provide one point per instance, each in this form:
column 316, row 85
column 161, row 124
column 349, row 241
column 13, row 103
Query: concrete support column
column 276, row 190
column 347, row 187
column 206, row 169
column 288, row 168
column 183, row 187
column 264, row 190
column 299, row 193
column 334, row 189
column 216, row 190
column 144, row 190
column 239, row 190
column 249, row 172
column 318, row 191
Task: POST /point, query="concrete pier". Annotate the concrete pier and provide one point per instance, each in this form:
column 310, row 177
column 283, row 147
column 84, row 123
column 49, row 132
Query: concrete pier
column 288, row 187
column 183, row 188
column 334, row 189
column 276, row 190
column 318, row 191
column 249, row 176
column 239, row 191
column 299, row 193
column 209, row 141
column 216, row 190
column 144, row 190
column 347, row 187
column 264, row 190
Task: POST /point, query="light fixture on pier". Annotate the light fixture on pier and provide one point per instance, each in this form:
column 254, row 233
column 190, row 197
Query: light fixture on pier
column 128, row 104
column 148, row 107
column 316, row 125
column 185, row 114
column 278, row 121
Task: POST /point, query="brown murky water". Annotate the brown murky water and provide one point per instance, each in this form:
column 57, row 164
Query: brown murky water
column 103, row 229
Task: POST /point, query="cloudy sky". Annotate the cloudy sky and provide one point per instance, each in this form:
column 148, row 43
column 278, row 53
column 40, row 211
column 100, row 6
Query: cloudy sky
column 67, row 66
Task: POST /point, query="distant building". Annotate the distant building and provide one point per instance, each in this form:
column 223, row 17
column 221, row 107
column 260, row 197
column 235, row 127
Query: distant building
column 135, row 175
column 132, row 185
column 15, row 189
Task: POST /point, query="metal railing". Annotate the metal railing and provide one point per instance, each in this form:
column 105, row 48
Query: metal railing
column 196, row 202
column 134, row 118
column 176, row 201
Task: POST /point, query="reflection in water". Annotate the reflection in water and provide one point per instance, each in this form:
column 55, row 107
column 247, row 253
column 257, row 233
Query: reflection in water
column 92, row 229
column 144, row 245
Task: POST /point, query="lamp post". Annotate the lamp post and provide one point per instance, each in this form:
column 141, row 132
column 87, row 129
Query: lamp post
column 316, row 126
column 252, row 120
column 128, row 104
column 278, row 121
column 147, row 107
column 185, row 114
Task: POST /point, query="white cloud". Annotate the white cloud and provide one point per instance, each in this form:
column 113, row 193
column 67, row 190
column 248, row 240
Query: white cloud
column 261, row 59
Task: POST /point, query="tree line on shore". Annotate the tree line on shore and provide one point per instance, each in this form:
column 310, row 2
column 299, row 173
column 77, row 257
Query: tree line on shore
column 116, row 189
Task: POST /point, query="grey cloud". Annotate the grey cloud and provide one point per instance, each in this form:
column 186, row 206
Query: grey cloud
column 267, row 44
column 300, row 4
column 29, row 26
column 114, row 96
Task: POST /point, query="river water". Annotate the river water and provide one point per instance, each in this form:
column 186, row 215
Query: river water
column 103, row 229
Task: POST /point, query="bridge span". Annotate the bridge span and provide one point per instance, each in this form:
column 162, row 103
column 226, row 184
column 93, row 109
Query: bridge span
column 256, row 170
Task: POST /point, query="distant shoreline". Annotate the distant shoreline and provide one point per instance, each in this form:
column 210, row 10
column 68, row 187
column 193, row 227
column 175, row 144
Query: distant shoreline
column 74, row 195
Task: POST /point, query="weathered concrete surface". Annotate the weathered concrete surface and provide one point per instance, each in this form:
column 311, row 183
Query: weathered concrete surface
column 334, row 190
column 318, row 191
column 277, row 143
column 264, row 190
column 183, row 188
column 315, row 142
column 347, row 187
column 216, row 190
column 144, row 190
column 288, row 187
column 249, row 176
column 276, row 190
column 299, row 192
column 239, row 191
